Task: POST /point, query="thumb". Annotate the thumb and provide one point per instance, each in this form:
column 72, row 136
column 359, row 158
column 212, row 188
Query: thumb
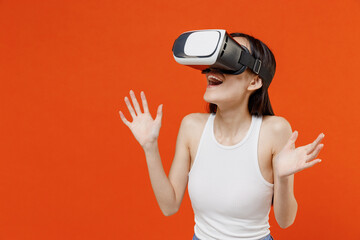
column 159, row 113
column 292, row 139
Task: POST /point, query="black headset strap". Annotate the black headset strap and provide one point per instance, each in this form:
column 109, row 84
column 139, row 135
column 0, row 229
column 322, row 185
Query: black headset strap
column 255, row 65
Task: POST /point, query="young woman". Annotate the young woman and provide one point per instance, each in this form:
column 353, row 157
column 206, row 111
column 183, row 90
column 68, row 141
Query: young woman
column 237, row 160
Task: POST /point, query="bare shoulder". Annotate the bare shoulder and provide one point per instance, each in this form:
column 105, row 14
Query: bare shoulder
column 276, row 124
column 194, row 124
column 195, row 119
column 278, row 130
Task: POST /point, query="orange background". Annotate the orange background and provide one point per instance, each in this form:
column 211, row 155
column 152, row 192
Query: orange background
column 69, row 167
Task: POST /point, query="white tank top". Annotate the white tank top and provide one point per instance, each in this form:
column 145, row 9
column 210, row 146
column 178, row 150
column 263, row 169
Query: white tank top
column 229, row 196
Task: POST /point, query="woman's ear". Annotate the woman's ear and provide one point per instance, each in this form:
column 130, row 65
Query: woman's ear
column 255, row 83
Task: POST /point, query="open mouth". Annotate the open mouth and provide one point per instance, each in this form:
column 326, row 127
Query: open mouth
column 213, row 80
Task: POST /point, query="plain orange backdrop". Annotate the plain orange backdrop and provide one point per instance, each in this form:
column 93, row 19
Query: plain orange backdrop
column 69, row 167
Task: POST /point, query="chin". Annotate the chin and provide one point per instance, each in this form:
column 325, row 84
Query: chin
column 209, row 99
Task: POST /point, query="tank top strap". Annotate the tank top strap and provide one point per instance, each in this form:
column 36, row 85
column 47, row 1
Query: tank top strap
column 256, row 129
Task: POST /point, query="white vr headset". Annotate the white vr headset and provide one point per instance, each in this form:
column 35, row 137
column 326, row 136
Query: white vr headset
column 215, row 48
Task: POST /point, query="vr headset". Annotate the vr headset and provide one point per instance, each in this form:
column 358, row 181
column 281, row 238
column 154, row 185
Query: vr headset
column 216, row 49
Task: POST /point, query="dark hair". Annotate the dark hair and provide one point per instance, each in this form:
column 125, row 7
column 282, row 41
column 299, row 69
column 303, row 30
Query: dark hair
column 259, row 102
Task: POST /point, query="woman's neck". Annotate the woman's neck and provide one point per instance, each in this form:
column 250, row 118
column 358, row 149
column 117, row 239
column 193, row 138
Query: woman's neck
column 230, row 124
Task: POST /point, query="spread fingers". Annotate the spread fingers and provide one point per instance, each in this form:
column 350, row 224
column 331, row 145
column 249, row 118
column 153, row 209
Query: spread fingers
column 312, row 146
column 315, row 153
column 135, row 102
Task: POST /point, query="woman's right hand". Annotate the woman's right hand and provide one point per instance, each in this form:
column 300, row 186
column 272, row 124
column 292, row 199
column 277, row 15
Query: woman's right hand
column 144, row 127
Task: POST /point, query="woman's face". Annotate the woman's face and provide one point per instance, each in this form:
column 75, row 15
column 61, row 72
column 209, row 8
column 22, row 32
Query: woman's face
column 234, row 88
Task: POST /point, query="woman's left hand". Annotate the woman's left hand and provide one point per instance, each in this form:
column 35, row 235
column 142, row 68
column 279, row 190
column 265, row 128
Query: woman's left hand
column 291, row 160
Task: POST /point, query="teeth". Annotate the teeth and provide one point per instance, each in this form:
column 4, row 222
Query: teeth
column 213, row 77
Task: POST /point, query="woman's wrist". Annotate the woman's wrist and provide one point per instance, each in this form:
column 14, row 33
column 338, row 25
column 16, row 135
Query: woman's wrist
column 149, row 147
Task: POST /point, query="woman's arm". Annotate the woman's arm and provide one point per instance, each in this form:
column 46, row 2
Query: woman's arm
column 168, row 191
column 287, row 160
column 285, row 204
